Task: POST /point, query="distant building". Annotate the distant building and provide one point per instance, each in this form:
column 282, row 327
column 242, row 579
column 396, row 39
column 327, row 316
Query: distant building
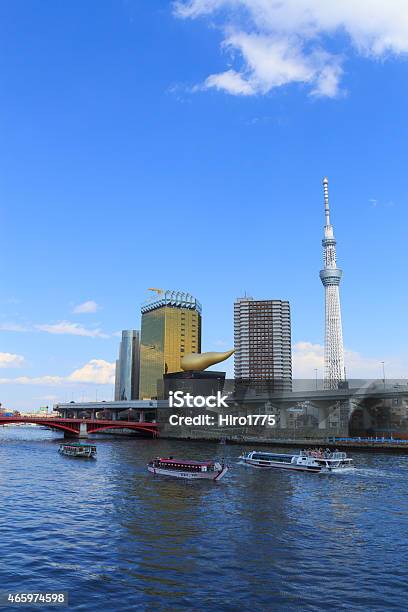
column 262, row 339
column 171, row 328
column 117, row 378
column 128, row 367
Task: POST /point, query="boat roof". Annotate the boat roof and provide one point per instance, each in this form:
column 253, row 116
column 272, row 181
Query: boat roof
column 76, row 444
column 185, row 461
column 272, row 454
column 334, row 459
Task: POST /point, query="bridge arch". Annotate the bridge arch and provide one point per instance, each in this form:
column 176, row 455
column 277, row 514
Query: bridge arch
column 132, row 425
column 73, row 426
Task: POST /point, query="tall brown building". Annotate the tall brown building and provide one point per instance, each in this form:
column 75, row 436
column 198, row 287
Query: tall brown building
column 262, row 339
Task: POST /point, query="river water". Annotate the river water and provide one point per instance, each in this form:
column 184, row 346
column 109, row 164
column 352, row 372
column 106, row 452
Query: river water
column 117, row 538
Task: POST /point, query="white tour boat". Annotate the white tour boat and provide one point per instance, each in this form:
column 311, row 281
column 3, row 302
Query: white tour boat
column 193, row 470
column 76, row 449
column 305, row 461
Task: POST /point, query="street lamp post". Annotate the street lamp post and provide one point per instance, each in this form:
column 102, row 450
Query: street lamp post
column 383, row 371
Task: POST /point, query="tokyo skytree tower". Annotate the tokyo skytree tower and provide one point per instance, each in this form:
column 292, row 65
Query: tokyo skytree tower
column 330, row 276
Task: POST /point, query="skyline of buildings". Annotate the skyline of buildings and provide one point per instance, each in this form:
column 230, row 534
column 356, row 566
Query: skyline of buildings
column 171, row 328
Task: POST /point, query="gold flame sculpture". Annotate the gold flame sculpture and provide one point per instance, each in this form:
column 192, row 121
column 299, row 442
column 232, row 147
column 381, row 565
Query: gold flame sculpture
column 201, row 361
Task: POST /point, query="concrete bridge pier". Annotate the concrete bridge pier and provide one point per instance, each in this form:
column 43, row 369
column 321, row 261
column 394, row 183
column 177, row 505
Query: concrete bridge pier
column 83, row 430
column 336, row 415
column 324, row 412
column 282, row 415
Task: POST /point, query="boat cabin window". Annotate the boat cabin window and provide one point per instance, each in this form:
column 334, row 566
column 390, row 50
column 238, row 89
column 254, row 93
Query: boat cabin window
column 271, row 457
column 186, row 467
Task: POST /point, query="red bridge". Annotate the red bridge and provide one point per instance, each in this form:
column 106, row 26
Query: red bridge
column 83, row 426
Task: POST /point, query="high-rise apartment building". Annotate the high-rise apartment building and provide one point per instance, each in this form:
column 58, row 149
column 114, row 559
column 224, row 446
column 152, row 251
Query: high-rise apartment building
column 262, row 340
column 128, row 366
column 171, row 328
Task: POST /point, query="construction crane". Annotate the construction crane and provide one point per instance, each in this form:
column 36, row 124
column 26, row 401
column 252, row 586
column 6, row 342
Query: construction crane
column 158, row 291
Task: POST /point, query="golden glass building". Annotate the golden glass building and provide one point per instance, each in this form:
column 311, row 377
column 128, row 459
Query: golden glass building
column 171, row 328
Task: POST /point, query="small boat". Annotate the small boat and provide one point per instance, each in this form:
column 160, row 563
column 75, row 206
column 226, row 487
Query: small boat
column 76, row 449
column 192, row 470
column 305, row 461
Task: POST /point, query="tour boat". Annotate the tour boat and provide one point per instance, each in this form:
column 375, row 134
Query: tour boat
column 193, row 470
column 305, row 461
column 76, row 449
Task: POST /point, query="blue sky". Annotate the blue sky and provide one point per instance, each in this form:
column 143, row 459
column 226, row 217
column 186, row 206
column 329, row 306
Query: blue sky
column 147, row 143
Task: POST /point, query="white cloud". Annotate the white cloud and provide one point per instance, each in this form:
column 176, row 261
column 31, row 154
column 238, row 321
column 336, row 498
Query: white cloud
column 230, row 81
column 96, row 371
column 86, row 307
column 307, row 357
column 288, row 41
column 33, row 380
column 62, row 327
column 14, row 327
column 9, row 360
column 72, row 329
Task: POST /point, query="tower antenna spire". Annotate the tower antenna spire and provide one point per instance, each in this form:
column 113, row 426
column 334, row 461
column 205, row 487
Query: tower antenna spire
column 326, row 199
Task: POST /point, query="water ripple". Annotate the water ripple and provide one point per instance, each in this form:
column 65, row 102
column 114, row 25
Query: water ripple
column 114, row 537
